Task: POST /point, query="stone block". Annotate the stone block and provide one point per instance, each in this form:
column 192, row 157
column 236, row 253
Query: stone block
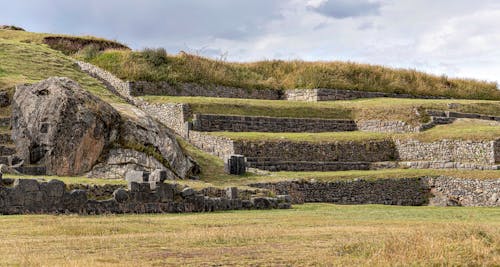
column 187, row 192
column 232, row 193
column 235, row 164
column 55, row 188
column 121, row 195
column 165, row 192
column 136, row 176
column 27, row 185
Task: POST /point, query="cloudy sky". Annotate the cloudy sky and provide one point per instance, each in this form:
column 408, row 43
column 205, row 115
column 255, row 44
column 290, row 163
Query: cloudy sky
column 459, row 38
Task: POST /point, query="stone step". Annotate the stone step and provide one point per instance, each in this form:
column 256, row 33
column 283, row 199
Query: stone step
column 32, row 170
column 7, row 150
column 4, row 121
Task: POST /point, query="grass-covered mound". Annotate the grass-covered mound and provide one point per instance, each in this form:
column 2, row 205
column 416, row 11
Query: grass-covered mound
column 157, row 65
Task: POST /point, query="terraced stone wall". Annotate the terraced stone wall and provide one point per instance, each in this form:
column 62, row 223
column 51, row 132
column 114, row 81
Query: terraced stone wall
column 323, row 94
column 436, row 191
column 139, row 88
column 349, row 151
column 213, row 123
column 448, row 150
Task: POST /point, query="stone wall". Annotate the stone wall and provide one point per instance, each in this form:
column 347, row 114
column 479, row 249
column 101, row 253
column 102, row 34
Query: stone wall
column 386, row 126
column 140, row 88
column 438, row 191
column 323, row 94
column 213, row 123
column 219, row 146
column 408, row 192
column 113, row 83
column 348, row 151
column 449, row 191
column 29, row 196
column 447, row 150
column 172, row 115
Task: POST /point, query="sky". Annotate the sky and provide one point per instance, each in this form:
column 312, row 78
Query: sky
column 457, row 38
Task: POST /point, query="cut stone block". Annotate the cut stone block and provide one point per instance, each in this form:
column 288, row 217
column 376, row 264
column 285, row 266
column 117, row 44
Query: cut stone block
column 235, row 164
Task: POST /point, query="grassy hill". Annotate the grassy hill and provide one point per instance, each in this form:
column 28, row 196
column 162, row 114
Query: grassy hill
column 157, row 65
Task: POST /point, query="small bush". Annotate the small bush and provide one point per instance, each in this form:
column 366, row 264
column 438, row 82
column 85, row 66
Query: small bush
column 156, row 57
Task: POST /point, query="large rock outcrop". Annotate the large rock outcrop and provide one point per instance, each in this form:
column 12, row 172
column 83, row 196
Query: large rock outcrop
column 58, row 124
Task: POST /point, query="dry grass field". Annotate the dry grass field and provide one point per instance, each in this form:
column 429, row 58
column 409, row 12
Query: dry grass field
column 311, row 234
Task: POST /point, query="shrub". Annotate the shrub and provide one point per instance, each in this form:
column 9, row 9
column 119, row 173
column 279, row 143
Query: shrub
column 156, row 57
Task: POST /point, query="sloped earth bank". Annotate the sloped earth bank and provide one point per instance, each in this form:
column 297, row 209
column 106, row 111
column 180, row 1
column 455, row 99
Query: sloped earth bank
column 58, row 124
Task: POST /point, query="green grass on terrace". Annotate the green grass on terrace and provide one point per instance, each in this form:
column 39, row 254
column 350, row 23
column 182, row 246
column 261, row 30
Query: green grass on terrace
column 360, row 109
column 156, row 65
column 29, row 63
column 462, row 129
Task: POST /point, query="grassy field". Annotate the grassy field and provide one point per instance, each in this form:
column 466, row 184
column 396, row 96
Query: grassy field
column 361, row 109
column 156, row 65
column 311, row 234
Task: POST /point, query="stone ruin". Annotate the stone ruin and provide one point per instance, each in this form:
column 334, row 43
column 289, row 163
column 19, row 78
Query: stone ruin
column 29, row 196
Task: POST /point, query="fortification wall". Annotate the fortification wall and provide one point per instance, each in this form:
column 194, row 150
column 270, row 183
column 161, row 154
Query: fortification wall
column 29, row 196
column 439, row 191
column 139, row 88
column 213, row 123
column 482, row 152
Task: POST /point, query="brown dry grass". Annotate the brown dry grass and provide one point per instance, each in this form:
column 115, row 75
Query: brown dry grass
column 312, row 234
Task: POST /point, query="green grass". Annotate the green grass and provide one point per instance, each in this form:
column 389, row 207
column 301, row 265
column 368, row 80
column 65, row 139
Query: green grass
column 307, row 235
column 29, row 63
column 277, row 74
column 461, row 129
column 361, row 109
column 68, row 179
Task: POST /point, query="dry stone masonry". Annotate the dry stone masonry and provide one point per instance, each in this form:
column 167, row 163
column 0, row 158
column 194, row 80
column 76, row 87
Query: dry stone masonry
column 438, row 191
column 323, row 94
column 214, row 123
column 28, row 196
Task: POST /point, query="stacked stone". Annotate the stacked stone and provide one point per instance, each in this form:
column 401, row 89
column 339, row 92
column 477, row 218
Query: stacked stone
column 30, row 196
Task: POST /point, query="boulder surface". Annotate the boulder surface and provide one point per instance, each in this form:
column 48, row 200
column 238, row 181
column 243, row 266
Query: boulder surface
column 59, row 124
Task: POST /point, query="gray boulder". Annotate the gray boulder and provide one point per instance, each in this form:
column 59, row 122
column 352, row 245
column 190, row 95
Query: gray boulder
column 140, row 129
column 58, row 124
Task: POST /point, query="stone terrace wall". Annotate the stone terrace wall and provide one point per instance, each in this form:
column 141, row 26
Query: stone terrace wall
column 449, row 191
column 30, row 196
column 219, row 146
column 191, row 89
column 172, row 115
column 438, row 191
column 408, row 192
column 322, row 94
column 482, row 152
column 213, row 123
column 368, row 151
column 386, row 126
